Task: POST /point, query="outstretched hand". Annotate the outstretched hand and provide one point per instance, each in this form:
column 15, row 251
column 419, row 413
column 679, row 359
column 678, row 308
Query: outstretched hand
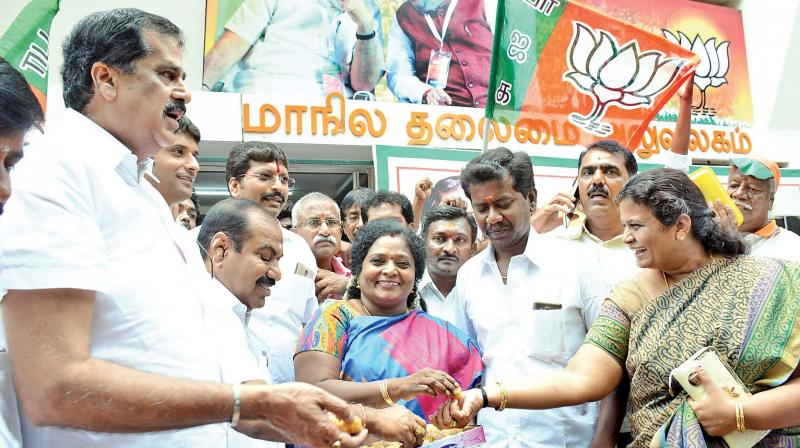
column 458, row 412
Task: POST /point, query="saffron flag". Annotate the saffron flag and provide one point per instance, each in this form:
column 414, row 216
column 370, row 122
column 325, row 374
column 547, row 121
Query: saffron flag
column 25, row 44
column 561, row 67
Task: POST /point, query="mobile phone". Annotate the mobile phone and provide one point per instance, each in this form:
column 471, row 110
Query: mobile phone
column 574, row 191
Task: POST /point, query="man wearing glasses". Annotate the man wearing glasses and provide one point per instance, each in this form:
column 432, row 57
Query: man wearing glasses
column 258, row 171
column 315, row 217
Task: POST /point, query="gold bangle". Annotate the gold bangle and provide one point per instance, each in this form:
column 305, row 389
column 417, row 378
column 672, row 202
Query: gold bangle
column 503, row 397
column 740, row 426
column 364, row 413
column 385, row 393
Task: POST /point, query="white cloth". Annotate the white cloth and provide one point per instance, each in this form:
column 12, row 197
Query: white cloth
column 10, row 430
column 520, row 342
column 782, row 244
column 96, row 228
column 438, row 305
column 401, row 74
column 613, row 259
column 291, row 42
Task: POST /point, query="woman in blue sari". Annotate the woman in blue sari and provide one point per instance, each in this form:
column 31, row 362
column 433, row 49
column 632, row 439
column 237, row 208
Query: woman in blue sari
column 376, row 347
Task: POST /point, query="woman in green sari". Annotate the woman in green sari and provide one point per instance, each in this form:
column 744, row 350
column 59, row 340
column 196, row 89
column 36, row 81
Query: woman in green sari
column 696, row 289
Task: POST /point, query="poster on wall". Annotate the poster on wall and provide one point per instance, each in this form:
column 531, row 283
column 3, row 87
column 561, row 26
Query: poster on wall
column 415, row 51
column 398, row 168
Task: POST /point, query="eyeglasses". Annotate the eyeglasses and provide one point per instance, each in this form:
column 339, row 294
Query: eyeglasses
column 352, row 218
column 315, row 223
column 269, row 179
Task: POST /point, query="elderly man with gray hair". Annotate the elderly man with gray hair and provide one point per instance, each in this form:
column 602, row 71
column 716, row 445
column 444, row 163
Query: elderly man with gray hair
column 316, row 218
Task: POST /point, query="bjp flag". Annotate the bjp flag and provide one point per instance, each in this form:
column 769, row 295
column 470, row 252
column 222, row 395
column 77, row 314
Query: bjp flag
column 558, row 64
column 25, row 44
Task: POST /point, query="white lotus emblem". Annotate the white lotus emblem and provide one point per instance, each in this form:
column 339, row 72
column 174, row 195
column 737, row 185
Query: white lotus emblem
column 713, row 66
column 623, row 76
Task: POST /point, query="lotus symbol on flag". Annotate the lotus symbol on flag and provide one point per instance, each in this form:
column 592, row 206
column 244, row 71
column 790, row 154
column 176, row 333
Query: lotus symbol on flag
column 625, row 76
column 713, row 66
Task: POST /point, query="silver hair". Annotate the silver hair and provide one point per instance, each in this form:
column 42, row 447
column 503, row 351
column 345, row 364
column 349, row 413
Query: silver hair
column 316, row 195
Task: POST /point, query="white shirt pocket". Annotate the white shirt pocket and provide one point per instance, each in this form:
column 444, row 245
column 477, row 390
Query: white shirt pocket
column 545, row 329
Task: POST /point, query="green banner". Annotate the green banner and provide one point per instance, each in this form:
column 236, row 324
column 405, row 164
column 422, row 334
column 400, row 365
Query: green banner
column 25, row 44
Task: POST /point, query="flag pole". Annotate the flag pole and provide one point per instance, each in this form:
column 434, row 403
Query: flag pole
column 486, row 124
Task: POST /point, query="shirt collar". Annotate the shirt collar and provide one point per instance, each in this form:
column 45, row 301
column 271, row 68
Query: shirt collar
column 426, row 280
column 222, row 297
column 534, row 249
column 768, row 230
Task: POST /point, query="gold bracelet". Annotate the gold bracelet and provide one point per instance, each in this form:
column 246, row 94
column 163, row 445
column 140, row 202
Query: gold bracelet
column 503, row 397
column 385, row 393
column 740, row 426
column 363, row 412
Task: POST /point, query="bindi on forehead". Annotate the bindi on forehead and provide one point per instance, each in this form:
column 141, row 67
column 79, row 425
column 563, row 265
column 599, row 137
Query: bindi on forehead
column 279, row 169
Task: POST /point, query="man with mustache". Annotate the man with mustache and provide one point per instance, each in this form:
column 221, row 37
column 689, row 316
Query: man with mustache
column 315, row 217
column 449, row 234
column 106, row 333
column 521, row 299
column 752, row 182
column 242, row 245
column 259, row 171
column 440, row 41
column 175, row 166
column 603, row 169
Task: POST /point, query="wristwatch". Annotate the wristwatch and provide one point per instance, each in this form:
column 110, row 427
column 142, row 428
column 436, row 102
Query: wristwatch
column 366, row 36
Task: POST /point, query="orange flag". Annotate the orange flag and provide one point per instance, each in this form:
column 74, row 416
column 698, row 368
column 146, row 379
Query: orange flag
column 567, row 70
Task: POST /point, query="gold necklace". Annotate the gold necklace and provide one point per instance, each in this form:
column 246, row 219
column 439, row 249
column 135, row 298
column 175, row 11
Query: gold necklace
column 363, row 305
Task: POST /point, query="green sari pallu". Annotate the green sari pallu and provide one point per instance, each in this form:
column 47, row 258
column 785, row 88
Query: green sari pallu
column 745, row 307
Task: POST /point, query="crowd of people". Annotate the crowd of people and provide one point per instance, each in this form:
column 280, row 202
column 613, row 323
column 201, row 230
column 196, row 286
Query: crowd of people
column 128, row 321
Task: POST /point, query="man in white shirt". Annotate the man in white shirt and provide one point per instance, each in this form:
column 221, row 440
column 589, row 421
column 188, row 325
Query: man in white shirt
column 258, row 171
column 242, row 245
column 449, row 234
column 20, row 112
column 603, row 169
column 512, row 298
column 108, row 346
column 299, row 47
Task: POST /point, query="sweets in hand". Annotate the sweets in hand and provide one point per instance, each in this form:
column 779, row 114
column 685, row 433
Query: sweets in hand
column 353, row 427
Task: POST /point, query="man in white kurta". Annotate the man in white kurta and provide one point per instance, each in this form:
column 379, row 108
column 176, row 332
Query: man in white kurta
column 520, row 298
column 107, row 337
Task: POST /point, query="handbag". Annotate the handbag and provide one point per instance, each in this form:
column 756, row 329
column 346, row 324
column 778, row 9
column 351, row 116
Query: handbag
column 722, row 375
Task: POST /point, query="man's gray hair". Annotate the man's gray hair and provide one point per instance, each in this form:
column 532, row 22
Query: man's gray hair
column 313, row 196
